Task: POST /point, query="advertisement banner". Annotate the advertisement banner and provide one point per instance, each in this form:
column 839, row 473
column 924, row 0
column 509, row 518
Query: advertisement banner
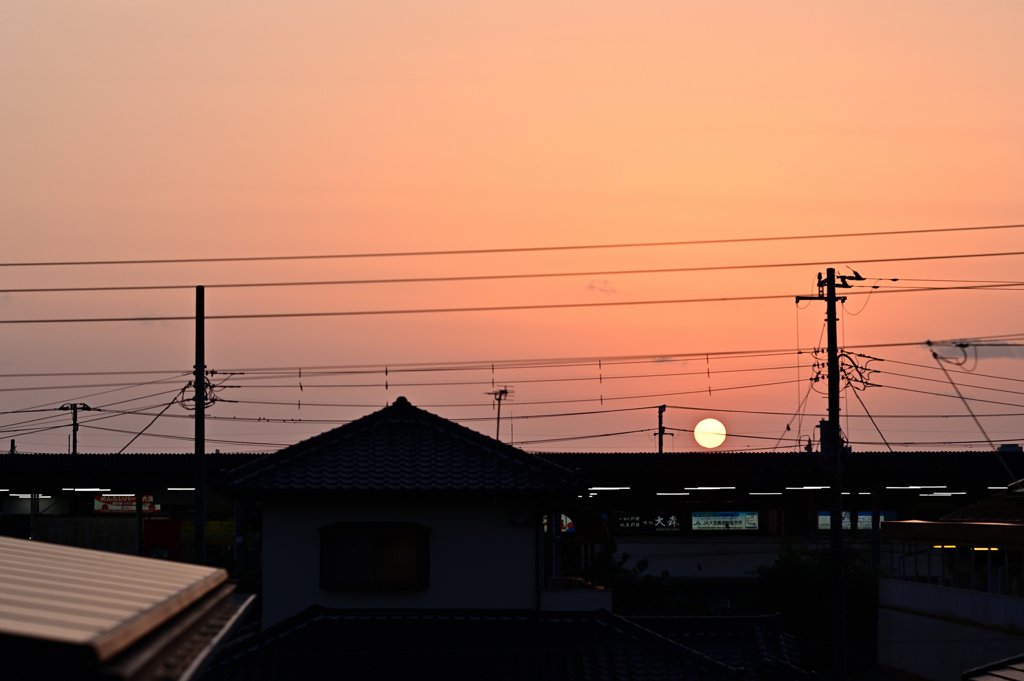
column 122, row 503
column 725, row 520
column 863, row 519
column 646, row 523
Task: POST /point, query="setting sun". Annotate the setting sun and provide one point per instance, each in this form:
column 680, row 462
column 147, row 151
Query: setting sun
column 709, row 433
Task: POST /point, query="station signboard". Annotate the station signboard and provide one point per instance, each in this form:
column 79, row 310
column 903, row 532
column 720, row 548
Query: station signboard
column 122, row 503
column 863, row 519
column 724, row 520
column 647, row 523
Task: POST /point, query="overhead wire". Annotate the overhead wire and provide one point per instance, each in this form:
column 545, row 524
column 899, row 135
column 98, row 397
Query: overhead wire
column 542, row 362
column 938, row 360
column 518, row 381
column 443, row 310
column 527, row 249
column 935, row 380
column 528, row 275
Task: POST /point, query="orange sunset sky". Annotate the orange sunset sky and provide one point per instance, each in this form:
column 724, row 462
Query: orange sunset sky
column 142, row 130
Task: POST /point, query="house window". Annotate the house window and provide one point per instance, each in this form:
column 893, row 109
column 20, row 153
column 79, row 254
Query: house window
column 374, row 557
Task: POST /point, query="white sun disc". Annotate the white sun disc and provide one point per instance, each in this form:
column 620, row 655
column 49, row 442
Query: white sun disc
column 709, row 433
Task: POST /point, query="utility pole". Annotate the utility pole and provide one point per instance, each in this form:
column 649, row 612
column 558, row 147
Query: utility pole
column 74, row 409
column 499, row 395
column 661, row 429
column 199, row 521
column 832, row 450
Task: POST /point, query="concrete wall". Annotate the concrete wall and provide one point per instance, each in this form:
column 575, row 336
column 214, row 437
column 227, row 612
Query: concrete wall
column 937, row 649
column 700, row 557
column 478, row 559
column 976, row 606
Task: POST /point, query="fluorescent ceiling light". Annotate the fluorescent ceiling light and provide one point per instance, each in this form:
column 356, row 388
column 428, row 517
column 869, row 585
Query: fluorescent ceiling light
column 181, row 489
column 999, row 487
column 941, row 494
column 765, row 494
column 705, row 489
column 606, row 489
column 92, row 489
column 672, row 494
column 810, row 487
column 920, row 487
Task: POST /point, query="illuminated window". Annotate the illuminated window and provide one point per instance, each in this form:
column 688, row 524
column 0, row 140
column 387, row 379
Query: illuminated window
column 374, row 557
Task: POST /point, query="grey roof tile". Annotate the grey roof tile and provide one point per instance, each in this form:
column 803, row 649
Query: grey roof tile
column 401, row 448
column 453, row 644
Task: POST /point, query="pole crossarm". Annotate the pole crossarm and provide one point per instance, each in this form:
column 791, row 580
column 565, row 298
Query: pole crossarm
column 832, row 448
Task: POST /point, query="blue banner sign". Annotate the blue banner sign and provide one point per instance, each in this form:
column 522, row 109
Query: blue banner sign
column 724, row 520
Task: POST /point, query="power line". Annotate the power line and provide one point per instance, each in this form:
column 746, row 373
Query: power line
column 935, row 380
column 537, row 275
column 482, row 251
column 955, row 397
column 956, row 371
column 86, row 385
column 583, row 437
column 93, row 373
column 532, row 362
column 576, row 379
column 437, row 310
column 191, row 439
column 600, row 399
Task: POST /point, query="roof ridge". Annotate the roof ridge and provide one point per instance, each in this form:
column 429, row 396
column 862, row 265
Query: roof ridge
column 473, row 443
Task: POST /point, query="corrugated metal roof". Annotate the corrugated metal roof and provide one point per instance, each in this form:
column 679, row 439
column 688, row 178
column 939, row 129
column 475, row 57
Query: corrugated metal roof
column 105, row 601
column 1011, row 669
column 710, row 461
column 1002, row 507
column 401, row 448
column 121, row 463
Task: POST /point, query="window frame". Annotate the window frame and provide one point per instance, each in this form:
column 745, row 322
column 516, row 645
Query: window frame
column 334, row 537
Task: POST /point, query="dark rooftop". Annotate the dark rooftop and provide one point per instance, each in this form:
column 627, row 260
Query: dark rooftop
column 1002, row 507
column 755, row 644
column 1011, row 669
column 401, row 448
column 510, row 645
column 712, row 461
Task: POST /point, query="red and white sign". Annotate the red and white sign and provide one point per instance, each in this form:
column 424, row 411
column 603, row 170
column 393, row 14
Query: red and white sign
column 122, row 503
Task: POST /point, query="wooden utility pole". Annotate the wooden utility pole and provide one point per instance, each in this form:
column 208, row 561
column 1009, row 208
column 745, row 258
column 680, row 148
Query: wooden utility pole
column 499, row 396
column 74, row 408
column 199, row 521
column 661, row 429
column 832, row 450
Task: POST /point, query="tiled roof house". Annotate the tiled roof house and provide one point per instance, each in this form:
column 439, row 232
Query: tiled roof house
column 403, row 545
column 401, row 509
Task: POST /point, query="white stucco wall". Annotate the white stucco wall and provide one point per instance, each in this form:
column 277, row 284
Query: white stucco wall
column 477, row 558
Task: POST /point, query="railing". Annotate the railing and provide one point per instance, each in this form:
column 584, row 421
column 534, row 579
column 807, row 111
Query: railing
column 984, row 608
